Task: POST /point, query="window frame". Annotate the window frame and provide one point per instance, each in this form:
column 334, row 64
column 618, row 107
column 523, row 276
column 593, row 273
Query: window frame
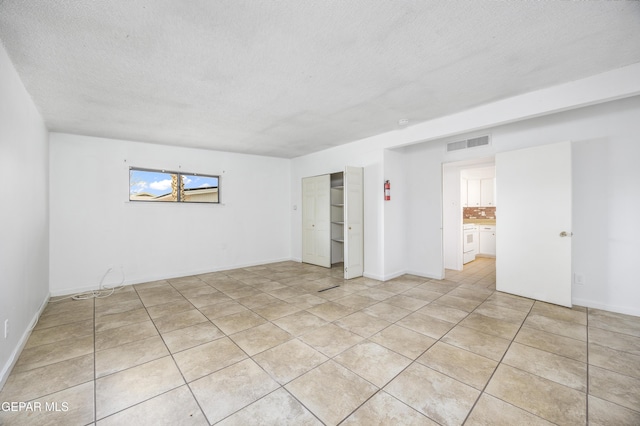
column 180, row 194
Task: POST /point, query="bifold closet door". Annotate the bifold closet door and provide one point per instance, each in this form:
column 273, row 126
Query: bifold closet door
column 316, row 217
column 353, row 223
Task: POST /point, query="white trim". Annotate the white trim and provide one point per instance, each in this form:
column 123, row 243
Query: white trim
column 6, row 369
column 393, row 275
column 423, row 275
column 387, row 277
column 605, row 307
column 69, row 291
column 373, row 276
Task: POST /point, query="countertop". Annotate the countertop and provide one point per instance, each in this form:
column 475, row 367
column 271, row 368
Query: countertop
column 480, row 221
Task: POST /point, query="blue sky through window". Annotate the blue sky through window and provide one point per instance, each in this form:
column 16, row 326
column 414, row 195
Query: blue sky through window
column 193, row 181
column 154, row 183
column 159, row 183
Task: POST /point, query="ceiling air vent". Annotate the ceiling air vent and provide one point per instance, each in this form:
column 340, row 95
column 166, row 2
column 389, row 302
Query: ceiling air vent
column 468, row 143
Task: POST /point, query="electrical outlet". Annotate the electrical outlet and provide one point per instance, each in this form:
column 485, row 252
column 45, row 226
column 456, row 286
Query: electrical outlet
column 578, row 279
column 6, row 328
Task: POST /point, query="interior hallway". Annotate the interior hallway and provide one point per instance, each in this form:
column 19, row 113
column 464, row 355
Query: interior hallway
column 261, row 343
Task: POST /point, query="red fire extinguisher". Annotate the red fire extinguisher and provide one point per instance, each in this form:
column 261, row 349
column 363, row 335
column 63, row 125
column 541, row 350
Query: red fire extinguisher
column 387, row 190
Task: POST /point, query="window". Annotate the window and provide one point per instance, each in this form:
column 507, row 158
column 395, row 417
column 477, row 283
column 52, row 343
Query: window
column 172, row 187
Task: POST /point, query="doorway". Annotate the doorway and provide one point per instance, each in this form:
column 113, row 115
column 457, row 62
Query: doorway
column 533, row 256
column 469, row 201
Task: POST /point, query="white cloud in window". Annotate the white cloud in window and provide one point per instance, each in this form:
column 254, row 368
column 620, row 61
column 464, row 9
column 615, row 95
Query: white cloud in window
column 161, row 185
column 138, row 187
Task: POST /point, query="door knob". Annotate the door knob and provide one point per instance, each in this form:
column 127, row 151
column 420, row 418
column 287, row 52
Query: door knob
column 566, row 234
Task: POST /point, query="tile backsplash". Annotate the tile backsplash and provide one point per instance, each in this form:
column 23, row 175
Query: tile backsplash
column 479, row 213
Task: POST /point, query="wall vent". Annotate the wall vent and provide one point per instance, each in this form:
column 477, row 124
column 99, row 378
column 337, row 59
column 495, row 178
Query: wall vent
column 468, row 143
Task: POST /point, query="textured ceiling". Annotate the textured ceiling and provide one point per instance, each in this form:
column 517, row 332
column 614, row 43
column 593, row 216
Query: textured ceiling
column 286, row 78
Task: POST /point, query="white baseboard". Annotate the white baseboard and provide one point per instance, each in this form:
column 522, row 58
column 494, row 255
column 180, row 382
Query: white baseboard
column 611, row 308
column 75, row 290
column 13, row 358
column 393, row 275
column 373, row 276
column 387, row 277
column 423, row 275
column 149, row 278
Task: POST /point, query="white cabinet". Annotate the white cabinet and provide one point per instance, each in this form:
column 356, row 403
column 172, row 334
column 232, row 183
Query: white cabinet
column 473, row 193
column 477, row 192
column 487, row 192
column 488, row 240
column 332, row 220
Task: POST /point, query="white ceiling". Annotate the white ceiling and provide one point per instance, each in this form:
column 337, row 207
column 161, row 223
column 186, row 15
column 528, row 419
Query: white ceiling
column 286, row 78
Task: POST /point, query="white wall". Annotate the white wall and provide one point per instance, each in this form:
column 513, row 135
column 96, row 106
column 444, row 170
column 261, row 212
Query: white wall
column 452, row 217
column 384, row 221
column 605, row 153
column 423, row 165
column 424, row 256
column 334, row 160
column 606, row 193
column 395, row 215
column 24, row 214
column 94, row 227
column 606, row 202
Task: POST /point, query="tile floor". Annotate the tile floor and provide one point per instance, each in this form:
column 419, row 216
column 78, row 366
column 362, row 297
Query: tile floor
column 261, row 345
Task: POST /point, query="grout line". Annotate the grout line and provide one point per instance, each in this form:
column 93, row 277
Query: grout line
column 415, row 361
column 588, row 372
column 186, row 383
column 484, row 388
column 95, row 383
column 463, row 281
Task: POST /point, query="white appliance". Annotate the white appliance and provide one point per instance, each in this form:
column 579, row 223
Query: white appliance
column 470, row 236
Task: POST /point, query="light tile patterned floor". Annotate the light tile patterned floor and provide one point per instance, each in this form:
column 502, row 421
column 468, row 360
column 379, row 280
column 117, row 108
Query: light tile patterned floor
column 261, row 345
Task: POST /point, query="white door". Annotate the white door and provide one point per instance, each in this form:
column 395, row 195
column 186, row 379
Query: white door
column 533, row 248
column 353, row 226
column 316, row 229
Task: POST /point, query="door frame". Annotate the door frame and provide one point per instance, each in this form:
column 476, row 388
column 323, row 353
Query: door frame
column 452, row 209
